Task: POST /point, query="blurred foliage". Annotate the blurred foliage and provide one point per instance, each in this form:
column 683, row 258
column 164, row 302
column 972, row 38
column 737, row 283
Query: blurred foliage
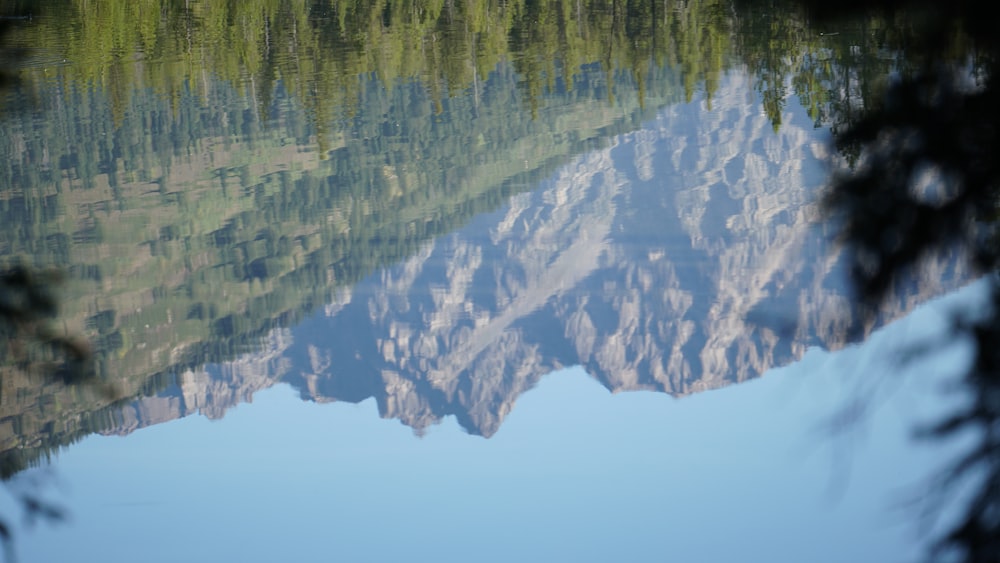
column 923, row 178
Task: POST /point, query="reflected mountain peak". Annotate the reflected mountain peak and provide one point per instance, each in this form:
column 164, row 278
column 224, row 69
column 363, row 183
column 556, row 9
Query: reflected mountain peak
column 621, row 262
column 439, row 231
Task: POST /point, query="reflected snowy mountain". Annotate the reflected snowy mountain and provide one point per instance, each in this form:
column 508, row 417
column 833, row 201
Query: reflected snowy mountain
column 684, row 257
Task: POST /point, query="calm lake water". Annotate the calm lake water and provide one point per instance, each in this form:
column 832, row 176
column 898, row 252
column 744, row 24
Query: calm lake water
column 362, row 276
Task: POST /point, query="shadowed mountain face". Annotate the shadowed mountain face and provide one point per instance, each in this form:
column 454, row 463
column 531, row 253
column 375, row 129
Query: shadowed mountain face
column 684, row 257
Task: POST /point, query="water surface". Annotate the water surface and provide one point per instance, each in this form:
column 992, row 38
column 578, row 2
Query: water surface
column 467, row 219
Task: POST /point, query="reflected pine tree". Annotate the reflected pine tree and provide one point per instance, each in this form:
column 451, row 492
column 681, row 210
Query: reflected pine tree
column 835, row 69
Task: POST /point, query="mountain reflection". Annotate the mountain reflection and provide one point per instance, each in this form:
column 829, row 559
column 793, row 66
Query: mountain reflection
column 652, row 263
column 247, row 193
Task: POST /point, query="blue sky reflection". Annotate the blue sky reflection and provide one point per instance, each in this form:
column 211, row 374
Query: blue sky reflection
column 746, row 472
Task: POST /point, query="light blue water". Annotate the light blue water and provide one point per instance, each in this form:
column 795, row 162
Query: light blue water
column 750, row 472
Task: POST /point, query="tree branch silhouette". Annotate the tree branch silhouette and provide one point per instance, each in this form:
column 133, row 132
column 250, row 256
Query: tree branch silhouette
column 927, row 181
